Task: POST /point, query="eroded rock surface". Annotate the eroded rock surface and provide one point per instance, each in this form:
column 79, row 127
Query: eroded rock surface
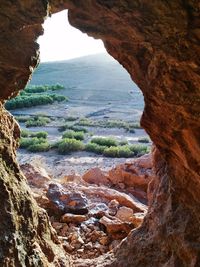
column 24, row 227
column 158, row 43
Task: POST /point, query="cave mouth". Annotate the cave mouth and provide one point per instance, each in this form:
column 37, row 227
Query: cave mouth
column 161, row 54
column 105, row 197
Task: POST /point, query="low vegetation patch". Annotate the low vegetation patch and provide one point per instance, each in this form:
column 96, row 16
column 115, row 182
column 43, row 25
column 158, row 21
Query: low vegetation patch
column 124, row 151
column 92, row 147
column 35, row 144
column 37, row 121
column 43, row 88
column 41, row 134
column 139, row 150
column 112, row 151
column 68, row 145
column 129, row 126
column 26, row 142
column 123, row 142
column 26, row 133
column 21, row 118
column 39, row 147
column 73, row 135
column 104, row 141
column 72, row 127
column 35, row 96
column 118, row 152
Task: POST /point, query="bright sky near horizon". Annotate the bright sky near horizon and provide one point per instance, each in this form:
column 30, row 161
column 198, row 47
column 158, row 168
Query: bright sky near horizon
column 61, row 41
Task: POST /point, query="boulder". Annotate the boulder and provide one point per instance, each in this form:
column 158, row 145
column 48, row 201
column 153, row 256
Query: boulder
column 115, row 227
column 137, row 219
column 137, row 173
column 96, row 176
column 36, row 175
column 112, row 194
column 64, row 201
column 113, row 207
column 125, row 214
column 73, row 218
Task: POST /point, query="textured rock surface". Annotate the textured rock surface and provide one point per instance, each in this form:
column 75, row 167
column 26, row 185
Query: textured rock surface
column 35, row 175
column 27, row 238
column 158, row 43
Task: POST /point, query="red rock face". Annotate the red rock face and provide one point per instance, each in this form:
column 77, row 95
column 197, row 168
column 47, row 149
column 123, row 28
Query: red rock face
column 158, row 43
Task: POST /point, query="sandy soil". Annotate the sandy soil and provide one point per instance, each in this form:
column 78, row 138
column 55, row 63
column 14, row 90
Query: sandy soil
column 59, row 166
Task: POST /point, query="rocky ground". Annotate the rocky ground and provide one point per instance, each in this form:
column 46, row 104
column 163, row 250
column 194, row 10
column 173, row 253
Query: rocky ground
column 94, row 212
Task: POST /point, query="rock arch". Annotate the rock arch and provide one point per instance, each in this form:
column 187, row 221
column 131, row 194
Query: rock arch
column 158, row 42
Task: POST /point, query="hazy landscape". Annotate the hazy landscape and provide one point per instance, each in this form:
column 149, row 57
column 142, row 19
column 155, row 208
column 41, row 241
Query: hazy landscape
column 93, row 95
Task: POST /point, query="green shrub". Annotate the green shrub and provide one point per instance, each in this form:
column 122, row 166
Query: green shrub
column 109, row 124
column 37, row 121
column 112, row 151
column 32, row 89
column 68, row 145
column 104, row 141
column 92, row 147
column 28, row 101
column 55, row 87
column 118, row 152
column 138, row 150
column 87, row 122
column 123, row 143
column 26, row 142
column 42, row 88
column 143, row 140
column 74, row 135
column 78, row 129
column 58, row 98
column 41, row 134
column 124, row 152
column 39, row 147
column 25, row 100
column 72, row 127
column 24, row 133
column 22, row 118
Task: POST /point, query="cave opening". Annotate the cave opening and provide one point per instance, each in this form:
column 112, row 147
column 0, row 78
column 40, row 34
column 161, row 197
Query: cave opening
column 161, row 54
column 83, row 144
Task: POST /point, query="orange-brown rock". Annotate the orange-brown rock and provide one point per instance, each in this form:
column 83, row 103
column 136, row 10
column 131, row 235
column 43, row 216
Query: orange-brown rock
column 96, row 176
column 136, row 174
column 112, row 194
column 115, row 227
column 158, row 42
column 73, row 218
column 36, row 175
column 63, row 200
column 124, row 214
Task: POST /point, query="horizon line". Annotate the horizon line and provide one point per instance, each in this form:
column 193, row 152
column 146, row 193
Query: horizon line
column 67, row 59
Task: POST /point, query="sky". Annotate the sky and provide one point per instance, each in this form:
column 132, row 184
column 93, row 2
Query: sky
column 61, row 41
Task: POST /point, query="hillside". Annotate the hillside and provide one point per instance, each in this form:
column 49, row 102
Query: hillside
column 95, row 78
